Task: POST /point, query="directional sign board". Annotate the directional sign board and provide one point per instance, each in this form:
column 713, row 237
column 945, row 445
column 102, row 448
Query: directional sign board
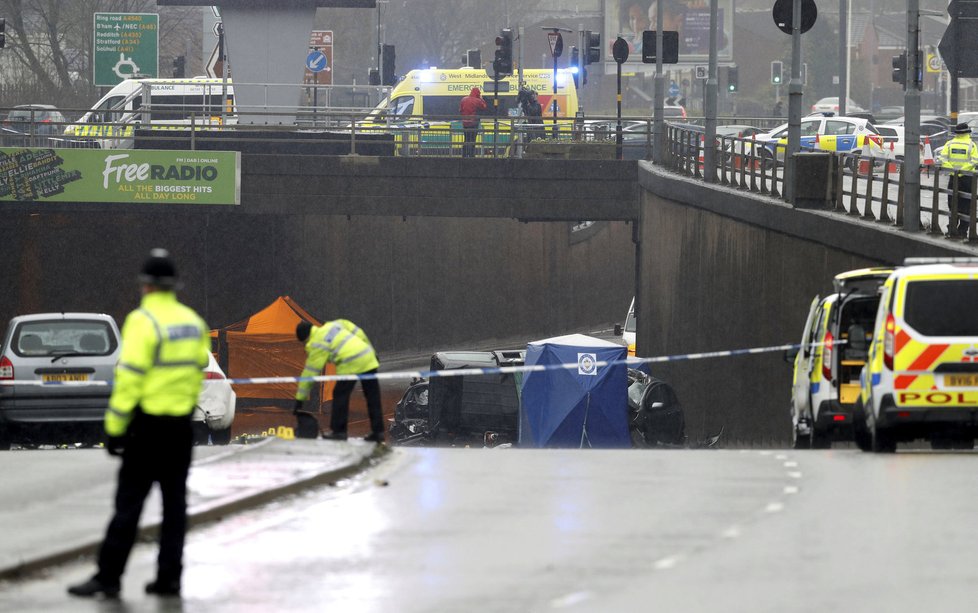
column 959, row 45
column 319, row 62
column 556, row 43
column 126, row 46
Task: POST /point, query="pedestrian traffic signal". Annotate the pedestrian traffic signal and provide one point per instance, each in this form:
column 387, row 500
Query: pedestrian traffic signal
column 503, row 62
column 777, row 69
column 3, row 37
column 179, row 67
column 899, row 63
column 732, row 80
column 387, row 76
column 593, row 52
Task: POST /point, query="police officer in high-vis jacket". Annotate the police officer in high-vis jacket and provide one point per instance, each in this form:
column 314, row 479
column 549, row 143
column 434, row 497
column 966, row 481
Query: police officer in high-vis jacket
column 960, row 155
column 165, row 348
column 347, row 346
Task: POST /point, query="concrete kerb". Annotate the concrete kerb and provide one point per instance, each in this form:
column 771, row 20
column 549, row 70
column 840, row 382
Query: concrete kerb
column 357, row 459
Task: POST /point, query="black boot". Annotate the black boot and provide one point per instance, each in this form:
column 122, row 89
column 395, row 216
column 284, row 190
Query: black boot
column 94, row 587
column 163, row 588
column 334, row 436
column 374, row 437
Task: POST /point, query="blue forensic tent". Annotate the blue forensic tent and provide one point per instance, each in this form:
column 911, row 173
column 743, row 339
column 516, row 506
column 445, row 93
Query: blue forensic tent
column 584, row 406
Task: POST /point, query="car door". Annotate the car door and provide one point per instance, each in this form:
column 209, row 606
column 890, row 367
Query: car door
column 803, row 363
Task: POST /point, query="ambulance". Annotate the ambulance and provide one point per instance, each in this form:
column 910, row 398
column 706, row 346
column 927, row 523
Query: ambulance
column 173, row 104
column 921, row 378
column 825, row 382
column 423, row 108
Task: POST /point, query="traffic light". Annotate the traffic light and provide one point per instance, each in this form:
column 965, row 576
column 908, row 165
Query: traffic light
column 387, row 61
column 3, row 37
column 373, row 76
column 575, row 65
column 593, row 52
column 732, row 80
column 777, row 69
column 179, row 67
column 503, row 62
column 899, row 63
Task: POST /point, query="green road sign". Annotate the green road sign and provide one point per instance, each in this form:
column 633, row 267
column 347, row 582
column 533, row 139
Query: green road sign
column 126, row 45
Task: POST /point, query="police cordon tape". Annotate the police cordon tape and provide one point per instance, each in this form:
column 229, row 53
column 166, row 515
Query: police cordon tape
column 462, row 372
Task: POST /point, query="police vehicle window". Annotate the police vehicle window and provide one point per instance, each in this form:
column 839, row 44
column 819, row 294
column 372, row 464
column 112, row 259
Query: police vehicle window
column 886, row 131
column 839, row 127
column 46, row 338
column 809, row 128
column 942, row 308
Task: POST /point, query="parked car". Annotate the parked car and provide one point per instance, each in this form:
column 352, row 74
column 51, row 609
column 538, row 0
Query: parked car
column 841, row 134
column 825, row 381
column 56, row 347
column 831, row 104
column 215, row 408
column 26, row 121
column 892, row 140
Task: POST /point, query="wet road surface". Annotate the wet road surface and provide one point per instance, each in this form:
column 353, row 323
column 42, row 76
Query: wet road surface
column 439, row 530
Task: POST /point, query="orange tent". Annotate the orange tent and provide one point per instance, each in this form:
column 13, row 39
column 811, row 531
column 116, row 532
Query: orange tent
column 264, row 345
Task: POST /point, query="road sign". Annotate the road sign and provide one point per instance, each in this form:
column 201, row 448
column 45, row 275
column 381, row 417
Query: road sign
column 783, row 13
column 933, row 62
column 320, row 42
column 619, row 51
column 701, row 72
column 317, row 61
column 959, row 45
column 556, row 43
column 126, row 45
column 673, row 89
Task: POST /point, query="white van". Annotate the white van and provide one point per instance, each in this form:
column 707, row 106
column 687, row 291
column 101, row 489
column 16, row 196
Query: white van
column 627, row 332
column 160, row 104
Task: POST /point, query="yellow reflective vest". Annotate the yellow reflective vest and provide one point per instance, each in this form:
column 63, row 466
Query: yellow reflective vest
column 342, row 343
column 960, row 153
column 165, row 348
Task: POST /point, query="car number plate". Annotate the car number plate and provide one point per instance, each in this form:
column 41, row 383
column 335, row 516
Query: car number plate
column 65, row 377
column 961, row 380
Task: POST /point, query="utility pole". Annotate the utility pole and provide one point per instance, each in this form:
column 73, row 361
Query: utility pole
column 659, row 126
column 710, row 135
column 794, row 104
column 843, row 55
column 911, row 123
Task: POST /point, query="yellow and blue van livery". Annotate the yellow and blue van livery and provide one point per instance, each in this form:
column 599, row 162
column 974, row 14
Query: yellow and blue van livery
column 825, row 381
column 423, row 108
column 921, row 381
column 819, row 133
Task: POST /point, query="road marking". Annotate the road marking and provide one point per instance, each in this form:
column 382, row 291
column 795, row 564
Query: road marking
column 794, row 474
column 667, row 563
column 780, row 456
column 791, row 464
column 731, row 533
column 570, row 600
column 791, row 489
column 774, row 507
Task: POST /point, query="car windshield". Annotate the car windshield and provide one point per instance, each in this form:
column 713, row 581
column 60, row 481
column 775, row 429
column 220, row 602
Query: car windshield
column 47, row 338
column 926, row 307
column 25, row 115
column 630, row 321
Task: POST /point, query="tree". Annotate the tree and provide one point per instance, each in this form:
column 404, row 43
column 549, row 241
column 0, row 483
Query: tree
column 49, row 49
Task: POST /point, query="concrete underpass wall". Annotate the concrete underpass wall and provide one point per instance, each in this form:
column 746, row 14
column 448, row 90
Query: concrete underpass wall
column 414, row 284
column 721, row 269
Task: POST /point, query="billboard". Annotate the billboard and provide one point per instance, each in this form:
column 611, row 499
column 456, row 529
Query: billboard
column 126, row 176
column 691, row 18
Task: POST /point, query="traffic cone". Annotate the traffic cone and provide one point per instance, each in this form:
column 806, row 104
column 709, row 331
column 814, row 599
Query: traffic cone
column 928, row 153
column 891, row 166
column 817, row 146
column 865, row 164
column 702, row 148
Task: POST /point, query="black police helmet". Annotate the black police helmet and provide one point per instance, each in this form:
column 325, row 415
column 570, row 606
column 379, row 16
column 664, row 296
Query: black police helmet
column 962, row 128
column 302, row 330
column 159, row 270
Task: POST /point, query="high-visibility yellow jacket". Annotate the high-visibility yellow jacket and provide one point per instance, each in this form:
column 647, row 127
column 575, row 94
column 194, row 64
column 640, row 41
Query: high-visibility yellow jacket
column 960, row 153
column 164, row 351
column 341, row 342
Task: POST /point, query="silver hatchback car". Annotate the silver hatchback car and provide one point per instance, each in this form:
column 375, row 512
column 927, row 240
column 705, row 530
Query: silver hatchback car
column 56, row 348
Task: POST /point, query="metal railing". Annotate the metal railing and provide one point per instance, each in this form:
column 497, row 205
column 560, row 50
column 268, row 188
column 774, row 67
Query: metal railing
column 863, row 185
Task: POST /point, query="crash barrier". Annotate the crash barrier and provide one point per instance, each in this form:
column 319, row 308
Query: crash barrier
column 459, row 372
column 861, row 184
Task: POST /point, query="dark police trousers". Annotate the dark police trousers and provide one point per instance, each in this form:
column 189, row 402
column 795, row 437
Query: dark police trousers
column 341, row 404
column 963, row 200
column 158, row 449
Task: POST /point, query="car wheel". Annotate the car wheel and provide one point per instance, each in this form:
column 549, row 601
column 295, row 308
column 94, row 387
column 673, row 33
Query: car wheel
column 221, row 436
column 5, row 441
column 820, row 438
column 859, row 431
column 882, row 441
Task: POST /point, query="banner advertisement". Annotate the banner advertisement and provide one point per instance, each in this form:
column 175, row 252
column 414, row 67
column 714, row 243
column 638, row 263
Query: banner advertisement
column 122, row 176
column 691, row 18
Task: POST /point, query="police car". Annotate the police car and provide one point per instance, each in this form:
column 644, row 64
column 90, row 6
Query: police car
column 825, row 133
column 825, row 382
column 921, row 378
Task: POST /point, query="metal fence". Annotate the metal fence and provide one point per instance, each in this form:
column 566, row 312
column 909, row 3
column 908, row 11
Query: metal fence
column 862, row 185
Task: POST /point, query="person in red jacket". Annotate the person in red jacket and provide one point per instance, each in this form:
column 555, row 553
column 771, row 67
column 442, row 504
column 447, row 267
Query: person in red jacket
column 469, row 108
